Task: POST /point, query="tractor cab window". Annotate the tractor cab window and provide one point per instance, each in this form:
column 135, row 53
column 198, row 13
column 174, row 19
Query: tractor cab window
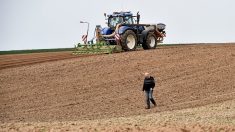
column 128, row 20
column 113, row 21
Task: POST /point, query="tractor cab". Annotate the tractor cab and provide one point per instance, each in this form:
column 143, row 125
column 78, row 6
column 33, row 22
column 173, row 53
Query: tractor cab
column 120, row 18
column 123, row 18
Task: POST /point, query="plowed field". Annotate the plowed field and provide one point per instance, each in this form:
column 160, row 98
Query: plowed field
column 7, row 61
column 110, row 86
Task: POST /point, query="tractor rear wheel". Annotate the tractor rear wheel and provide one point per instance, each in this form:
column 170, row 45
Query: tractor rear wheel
column 129, row 41
column 151, row 41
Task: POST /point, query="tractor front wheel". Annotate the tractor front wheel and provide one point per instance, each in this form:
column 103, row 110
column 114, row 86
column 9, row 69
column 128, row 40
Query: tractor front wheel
column 129, row 41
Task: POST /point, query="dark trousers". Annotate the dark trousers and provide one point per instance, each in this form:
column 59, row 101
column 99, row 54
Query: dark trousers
column 149, row 98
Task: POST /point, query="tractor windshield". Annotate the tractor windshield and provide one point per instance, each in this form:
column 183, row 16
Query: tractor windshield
column 113, row 21
column 128, row 20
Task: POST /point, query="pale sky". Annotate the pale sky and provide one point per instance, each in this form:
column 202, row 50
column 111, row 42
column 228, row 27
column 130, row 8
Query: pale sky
column 37, row 24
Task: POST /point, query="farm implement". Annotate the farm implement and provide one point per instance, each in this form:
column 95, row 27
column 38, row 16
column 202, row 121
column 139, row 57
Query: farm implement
column 99, row 48
column 124, row 33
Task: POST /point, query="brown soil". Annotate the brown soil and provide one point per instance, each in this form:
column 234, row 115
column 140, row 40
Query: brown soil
column 213, row 117
column 7, row 61
column 109, row 86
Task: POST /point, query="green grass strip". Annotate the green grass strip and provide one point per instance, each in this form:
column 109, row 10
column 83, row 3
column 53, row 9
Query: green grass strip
column 35, row 51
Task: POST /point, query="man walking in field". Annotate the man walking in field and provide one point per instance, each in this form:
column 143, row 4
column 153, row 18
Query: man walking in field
column 149, row 84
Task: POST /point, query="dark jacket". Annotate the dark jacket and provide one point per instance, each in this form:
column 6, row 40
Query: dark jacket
column 148, row 83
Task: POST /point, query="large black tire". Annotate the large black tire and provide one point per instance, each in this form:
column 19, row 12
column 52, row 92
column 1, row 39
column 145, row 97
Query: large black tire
column 150, row 42
column 129, row 41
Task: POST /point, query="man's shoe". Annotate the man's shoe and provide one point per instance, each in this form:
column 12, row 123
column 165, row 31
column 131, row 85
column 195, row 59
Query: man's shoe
column 147, row 107
column 153, row 101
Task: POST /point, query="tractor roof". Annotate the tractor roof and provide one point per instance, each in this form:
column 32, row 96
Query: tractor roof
column 117, row 14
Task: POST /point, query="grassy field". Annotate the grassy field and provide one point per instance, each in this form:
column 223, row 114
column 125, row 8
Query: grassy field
column 34, row 51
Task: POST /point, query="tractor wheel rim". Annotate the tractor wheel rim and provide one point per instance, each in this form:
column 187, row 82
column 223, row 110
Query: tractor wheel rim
column 130, row 41
column 152, row 41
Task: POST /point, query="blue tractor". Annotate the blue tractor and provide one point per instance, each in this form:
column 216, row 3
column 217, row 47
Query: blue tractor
column 125, row 30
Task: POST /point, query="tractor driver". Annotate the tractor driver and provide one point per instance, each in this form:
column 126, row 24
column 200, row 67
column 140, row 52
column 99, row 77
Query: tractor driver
column 116, row 20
